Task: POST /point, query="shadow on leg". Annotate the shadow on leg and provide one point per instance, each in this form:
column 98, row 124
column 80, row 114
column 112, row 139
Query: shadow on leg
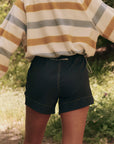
column 73, row 125
column 35, row 126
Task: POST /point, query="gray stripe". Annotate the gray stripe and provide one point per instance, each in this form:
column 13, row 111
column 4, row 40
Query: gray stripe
column 16, row 21
column 55, row 22
column 99, row 13
column 5, row 52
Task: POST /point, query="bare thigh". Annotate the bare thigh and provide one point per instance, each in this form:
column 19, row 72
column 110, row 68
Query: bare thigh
column 73, row 125
column 35, row 126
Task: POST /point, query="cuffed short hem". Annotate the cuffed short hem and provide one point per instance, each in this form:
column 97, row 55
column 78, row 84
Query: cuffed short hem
column 41, row 108
column 76, row 104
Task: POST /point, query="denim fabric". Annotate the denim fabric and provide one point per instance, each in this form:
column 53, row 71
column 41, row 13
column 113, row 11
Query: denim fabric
column 64, row 79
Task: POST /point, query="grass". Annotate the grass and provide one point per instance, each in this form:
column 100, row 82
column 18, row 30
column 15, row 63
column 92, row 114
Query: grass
column 12, row 109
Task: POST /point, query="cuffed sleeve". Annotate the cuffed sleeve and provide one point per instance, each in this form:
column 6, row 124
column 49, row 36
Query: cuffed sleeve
column 102, row 17
column 12, row 31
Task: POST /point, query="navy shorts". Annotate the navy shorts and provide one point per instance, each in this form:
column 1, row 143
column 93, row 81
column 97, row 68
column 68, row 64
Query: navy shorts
column 63, row 80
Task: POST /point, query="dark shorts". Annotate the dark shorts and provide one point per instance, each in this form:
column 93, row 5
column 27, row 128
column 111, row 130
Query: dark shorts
column 63, row 79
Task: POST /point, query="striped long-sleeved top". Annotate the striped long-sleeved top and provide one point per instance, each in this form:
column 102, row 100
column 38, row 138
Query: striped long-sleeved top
column 50, row 28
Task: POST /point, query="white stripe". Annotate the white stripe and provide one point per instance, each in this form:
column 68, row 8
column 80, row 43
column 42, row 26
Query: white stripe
column 90, row 51
column 61, row 30
column 61, row 14
column 18, row 13
column 13, row 29
column 93, row 35
column 93, row 7
column 68, row 47
column 4, row 60
column 51, row 47
column 8, row 45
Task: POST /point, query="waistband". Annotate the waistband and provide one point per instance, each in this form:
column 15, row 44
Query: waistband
column 62, row 57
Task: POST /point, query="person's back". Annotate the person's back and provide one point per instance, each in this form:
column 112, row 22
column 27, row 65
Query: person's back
column 55, row 27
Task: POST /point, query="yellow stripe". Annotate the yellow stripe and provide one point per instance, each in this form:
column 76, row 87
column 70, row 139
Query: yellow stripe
column 3, row 68
column 63, row 38
column 9, row 36
column 87, row 40
column 58, row 5
column 109, row 28
column 86, row 4
column 20, row 4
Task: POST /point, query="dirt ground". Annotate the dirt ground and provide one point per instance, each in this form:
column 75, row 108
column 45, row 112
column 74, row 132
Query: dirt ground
column 12, row 136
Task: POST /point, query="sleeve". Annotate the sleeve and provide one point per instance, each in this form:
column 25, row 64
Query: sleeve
column 102, row 17
column 12, row 31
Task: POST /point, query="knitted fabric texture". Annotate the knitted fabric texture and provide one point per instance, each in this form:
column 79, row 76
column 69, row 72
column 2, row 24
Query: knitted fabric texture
column 50, row 28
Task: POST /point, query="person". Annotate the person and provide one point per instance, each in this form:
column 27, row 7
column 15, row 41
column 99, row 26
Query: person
column 57, row 36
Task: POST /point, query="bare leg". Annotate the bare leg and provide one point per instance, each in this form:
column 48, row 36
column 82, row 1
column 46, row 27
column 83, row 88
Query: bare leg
column 73, row 125
column 35, row 126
